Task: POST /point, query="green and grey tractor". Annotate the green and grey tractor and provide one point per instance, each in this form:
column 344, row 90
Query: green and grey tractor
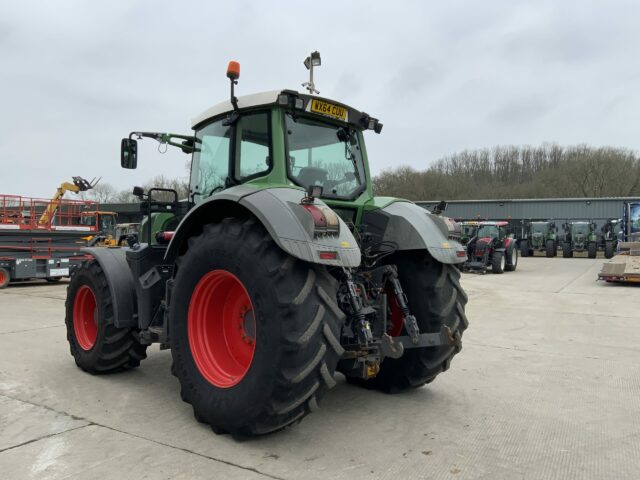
column 579, row 236
column 282, row 270
column 539, row 237
column 611, row 233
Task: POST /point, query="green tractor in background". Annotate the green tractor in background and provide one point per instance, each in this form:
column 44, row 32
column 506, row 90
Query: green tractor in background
column 579, row 236
column 611, row 233
column 280, row 269
column 540, row 237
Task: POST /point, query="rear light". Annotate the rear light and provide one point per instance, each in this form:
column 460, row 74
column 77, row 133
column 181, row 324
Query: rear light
column 325, row 220
column 461, row 253
column 328, row 255
column 163, row 238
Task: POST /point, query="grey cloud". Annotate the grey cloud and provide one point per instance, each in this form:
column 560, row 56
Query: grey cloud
column 76, row 76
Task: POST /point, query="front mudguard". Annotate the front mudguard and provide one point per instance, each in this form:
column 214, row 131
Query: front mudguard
column 279, row 211
column 412, row 227
column 113, row 263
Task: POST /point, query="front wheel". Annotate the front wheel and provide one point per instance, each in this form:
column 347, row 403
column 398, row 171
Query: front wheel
column 592, row 249
column 551, row 248
column 511, row 260
column 254, row 332
column 498, row 262
column 566, row 250
column 608, row 250
column 436, row 298
column 524, row 248
column 96, row 344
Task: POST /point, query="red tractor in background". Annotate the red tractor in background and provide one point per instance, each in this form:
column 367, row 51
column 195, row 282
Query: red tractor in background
column 493, row 246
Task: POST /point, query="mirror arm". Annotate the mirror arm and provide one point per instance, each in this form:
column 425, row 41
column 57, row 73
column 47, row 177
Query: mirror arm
column 166, row 138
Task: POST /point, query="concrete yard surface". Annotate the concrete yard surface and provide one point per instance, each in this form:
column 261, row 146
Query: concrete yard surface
column 547, row 386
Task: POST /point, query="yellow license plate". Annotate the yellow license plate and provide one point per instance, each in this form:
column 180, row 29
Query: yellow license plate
column 328, row 109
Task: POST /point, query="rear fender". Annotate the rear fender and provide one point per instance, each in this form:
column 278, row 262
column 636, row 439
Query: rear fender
column 121, row 284
column 413, row 228
column 279, row 211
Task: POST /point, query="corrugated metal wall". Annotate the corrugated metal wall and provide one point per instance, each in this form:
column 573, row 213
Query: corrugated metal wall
column 598, row 209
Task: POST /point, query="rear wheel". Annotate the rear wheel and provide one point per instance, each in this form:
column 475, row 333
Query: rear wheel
column 4, row 277
column 95, row 343
column 498, row 262
column 566, row 250
column 436, row 298
column 254, row 332
column 551, row 248
column 592, row 249
column 608, row 250
column 524, row 248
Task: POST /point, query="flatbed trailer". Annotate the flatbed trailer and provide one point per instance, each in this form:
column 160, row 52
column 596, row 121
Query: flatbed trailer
column 624, row 267
column 33, row 248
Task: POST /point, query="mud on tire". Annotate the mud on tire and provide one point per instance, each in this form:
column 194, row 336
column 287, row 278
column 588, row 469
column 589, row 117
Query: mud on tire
column 297, row 327
column 436, row 298
column 95, row 343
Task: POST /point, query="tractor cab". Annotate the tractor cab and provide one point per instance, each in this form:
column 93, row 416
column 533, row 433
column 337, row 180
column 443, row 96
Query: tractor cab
column 493, row 230
column 280, row 138
column 104, row 223
column 468, row 230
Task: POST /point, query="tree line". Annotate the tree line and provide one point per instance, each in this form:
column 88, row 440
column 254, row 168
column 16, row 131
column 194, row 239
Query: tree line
column 104, row 192
column 544, row 171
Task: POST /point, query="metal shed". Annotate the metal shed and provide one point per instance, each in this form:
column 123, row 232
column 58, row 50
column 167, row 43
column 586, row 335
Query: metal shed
column 536, row 208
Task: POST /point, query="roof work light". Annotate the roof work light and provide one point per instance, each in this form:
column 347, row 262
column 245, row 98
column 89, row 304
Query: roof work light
column 311, row 61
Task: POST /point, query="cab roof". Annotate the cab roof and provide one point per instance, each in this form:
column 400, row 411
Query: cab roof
column 245, row 101
column 352, row 116
column 497, row 224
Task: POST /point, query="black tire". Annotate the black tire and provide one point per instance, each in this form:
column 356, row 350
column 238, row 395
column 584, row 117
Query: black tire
column 53, row 279
column 608, row 250
column 498, row 262
column 5, row 277
column 524, row 248
column 297, row 330
column 114, row 349
column 512, row 259
column 592, row 249
column 566, row 250
column 436, row 298
column 551, row 248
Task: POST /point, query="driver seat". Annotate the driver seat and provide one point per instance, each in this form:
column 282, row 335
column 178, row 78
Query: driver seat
column 312, row 176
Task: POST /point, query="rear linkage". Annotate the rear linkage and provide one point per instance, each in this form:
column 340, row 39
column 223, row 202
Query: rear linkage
column 364, row 297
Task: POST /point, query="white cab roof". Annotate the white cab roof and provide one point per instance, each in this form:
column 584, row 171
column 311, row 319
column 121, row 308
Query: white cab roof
column 253, row 100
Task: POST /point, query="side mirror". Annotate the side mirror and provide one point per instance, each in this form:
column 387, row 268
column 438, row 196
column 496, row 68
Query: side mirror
column 138, row 192
column 129, row 153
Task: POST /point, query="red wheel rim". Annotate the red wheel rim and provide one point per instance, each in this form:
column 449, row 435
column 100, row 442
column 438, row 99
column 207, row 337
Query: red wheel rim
column 221, row 328
column 3, row 277
column 395, row 321
column 85, row 317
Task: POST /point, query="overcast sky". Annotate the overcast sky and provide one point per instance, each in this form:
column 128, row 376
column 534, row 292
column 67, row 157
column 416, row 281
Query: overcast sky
column 75, row 77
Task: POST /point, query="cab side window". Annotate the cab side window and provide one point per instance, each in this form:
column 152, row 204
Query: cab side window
column 210, row 168
column 253, row 146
